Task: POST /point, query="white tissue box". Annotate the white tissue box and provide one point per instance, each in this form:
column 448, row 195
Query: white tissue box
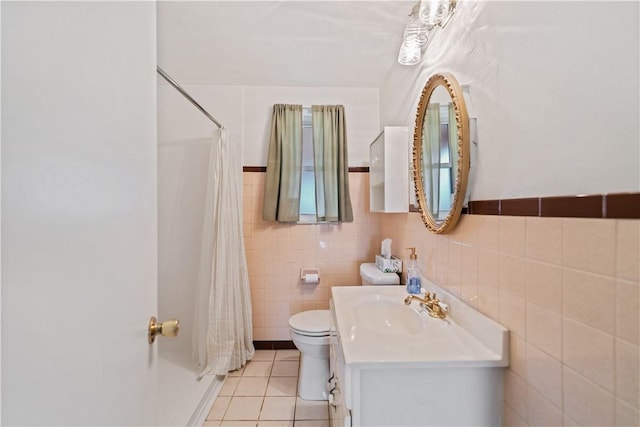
column 392, row 265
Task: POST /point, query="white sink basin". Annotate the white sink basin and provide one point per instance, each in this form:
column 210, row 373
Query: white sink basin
column 377, row 327
column 383, row 315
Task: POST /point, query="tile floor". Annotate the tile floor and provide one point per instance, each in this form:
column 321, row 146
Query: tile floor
column 264, row 394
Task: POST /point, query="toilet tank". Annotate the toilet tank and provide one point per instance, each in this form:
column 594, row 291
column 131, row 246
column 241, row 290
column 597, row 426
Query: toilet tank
column 371, row 275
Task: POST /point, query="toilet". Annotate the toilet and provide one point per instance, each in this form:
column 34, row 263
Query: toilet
column 309, row 331
column 371, row 275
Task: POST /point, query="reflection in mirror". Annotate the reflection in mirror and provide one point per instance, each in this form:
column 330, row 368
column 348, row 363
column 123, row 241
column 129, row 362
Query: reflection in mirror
column 440, row 148
column 441, row 159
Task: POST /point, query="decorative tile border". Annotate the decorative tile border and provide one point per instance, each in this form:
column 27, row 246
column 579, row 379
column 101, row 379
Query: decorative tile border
column 619, row 205
column 624, row 205
column 274, row 345
column 484, row 207
column 254, row 169
column 352, row 169
column 358, row 169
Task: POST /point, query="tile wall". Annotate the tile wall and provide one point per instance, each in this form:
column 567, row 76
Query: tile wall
column 567, row 288
column 277, row 252
column 568, row 291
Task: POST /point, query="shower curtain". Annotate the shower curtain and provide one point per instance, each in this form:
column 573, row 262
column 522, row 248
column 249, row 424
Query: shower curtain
column 222, row 333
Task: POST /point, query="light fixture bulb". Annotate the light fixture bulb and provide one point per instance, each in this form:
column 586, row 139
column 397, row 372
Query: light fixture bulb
column 415, row 31
column 433, row 12
column 409, row 54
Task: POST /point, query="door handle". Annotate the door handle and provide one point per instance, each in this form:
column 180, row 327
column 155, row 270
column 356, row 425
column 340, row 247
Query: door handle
column 168, row 328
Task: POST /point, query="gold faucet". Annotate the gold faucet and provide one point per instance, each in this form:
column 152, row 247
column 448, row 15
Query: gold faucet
column 431, row 303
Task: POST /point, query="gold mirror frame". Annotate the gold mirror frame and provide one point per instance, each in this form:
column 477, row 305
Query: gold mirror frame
column 462, row 121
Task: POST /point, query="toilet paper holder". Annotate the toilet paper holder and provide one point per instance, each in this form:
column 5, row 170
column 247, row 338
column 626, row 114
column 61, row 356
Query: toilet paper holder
column 310, row 275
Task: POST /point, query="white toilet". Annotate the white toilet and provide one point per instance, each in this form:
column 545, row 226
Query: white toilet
column 371, row 275
column 309, row 331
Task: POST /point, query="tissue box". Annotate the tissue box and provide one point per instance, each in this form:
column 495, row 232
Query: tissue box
column 392, row 265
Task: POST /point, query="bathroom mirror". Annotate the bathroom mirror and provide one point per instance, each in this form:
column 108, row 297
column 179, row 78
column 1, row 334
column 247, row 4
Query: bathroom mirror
column 441, row 153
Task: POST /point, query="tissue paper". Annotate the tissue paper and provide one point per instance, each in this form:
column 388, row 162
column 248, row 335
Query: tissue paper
column 385, row 251
column 310, row 276
column 310, row 279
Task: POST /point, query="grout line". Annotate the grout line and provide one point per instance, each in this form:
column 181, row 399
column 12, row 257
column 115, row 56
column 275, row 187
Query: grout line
column 295, row 396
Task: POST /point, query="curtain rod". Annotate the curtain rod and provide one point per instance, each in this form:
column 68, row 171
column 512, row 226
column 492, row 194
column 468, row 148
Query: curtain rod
column 186, row 95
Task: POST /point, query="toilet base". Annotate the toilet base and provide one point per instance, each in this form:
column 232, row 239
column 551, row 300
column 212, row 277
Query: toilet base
column 313, row 377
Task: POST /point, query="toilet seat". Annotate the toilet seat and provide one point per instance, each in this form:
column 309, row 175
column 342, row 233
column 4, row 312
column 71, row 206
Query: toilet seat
column 309, row 334
column 312, row 323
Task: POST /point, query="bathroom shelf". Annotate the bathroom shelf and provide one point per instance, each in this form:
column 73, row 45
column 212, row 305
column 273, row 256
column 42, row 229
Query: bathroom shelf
column 389, row 171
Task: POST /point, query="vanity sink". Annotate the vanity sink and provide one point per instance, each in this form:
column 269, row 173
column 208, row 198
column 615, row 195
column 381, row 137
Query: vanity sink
column 383, row 315
column 365, row 314
column 394, row 365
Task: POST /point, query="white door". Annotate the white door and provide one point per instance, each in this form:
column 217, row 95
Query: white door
column 79, row 239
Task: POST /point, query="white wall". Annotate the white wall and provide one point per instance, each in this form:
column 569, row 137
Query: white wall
column 0, row 213
column 555, row 88
column 246, row 112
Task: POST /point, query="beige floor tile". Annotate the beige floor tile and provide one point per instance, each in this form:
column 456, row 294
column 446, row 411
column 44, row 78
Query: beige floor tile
column 252, row 386
column 264, row 355
column 278, row 423
column 251, row 423
column 219, row 408
column 229, row 386
column 312, row 423
column 278, row 408
column 237, row 372
column 282, row 386
column 312, row 409
column 243, row 408
column 211, row 423
column 285, row 368
column 257, row 369
column 287, row 355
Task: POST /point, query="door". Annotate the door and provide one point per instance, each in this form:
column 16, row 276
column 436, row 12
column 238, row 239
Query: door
column 79, row 239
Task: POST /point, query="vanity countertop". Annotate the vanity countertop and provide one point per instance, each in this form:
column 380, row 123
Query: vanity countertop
column 377, row 330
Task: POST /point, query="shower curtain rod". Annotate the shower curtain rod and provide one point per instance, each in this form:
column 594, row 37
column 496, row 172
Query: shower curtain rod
column 186, row 95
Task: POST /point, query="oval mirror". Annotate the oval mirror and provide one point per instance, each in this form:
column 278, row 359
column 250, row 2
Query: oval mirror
column 441, row 153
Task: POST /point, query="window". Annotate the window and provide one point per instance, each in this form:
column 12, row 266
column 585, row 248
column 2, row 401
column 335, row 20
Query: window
column 307, row 177
column 308, row 182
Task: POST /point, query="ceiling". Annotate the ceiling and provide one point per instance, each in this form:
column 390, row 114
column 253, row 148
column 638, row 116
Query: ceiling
column 280, row 43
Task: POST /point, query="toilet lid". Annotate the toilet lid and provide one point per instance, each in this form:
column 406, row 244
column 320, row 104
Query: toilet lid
column 314, row 321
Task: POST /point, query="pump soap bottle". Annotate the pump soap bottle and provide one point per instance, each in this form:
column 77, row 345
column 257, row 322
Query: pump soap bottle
column 414, row 282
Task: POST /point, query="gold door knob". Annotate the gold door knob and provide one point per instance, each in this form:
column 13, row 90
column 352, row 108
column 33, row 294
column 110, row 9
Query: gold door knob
column 169, row 328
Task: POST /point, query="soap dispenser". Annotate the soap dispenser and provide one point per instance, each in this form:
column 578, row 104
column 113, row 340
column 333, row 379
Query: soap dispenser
column 414, row 282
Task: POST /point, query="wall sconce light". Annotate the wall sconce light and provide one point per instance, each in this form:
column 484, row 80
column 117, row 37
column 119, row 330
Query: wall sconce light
column 425, row 16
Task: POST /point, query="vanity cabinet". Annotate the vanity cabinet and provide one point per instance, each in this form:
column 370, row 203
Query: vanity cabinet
column 389, row 171
column 426, row 372
column 339, row 414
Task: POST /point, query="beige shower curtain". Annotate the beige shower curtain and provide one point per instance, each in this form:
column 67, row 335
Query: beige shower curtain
column 222, row 333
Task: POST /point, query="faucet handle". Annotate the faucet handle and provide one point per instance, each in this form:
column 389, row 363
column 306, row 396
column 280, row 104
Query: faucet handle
column 443, row 306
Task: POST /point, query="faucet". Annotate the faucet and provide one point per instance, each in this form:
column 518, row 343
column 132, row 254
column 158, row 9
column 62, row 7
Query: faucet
column 431, row 303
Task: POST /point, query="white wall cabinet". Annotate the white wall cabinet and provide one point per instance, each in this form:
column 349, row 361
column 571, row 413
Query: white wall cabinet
column 389, row 171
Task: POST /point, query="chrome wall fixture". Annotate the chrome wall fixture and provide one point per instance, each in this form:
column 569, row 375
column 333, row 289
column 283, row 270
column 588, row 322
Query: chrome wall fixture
column 425, row 17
